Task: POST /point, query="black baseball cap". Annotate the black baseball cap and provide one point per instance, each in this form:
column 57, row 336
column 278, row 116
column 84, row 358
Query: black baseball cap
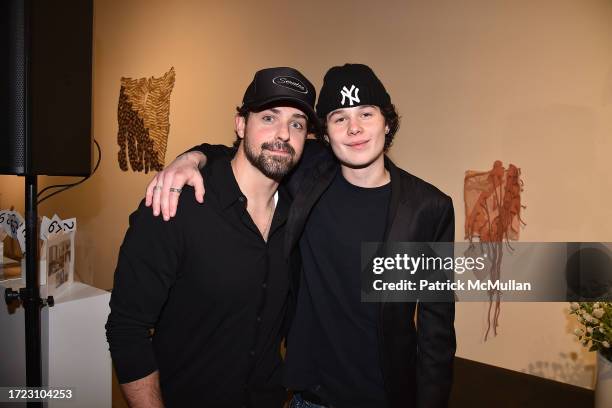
column 283, row 84
column 348, row 86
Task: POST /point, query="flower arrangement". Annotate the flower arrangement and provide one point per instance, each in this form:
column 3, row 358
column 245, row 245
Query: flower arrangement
column 596, row 319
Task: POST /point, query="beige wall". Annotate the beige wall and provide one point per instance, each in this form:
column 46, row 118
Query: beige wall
column 527, row 82
column 11, row 192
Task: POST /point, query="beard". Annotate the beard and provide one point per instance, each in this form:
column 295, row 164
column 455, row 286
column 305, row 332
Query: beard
column 271, row 165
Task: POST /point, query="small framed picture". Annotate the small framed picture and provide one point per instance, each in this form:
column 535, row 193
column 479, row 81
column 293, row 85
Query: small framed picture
column 60, row 262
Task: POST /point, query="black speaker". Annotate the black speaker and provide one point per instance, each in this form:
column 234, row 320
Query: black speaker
column 46, row 87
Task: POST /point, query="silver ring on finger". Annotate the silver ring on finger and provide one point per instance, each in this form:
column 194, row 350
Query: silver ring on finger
column 176, row 190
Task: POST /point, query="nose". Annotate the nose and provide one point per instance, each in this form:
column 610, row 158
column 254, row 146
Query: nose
column 354, row 127
column 283, row 132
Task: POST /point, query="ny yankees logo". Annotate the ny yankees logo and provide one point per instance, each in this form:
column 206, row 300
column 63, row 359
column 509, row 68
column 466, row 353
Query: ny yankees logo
column 347, row 93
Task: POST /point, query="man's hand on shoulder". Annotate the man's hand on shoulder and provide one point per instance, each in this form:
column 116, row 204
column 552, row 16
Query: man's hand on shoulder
column 184, row 170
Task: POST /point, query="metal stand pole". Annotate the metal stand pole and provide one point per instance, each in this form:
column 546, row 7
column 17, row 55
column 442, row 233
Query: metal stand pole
column 30, row 295
column 31, row 301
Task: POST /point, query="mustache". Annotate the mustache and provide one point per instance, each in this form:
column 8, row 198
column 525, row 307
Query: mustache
column 279, row 145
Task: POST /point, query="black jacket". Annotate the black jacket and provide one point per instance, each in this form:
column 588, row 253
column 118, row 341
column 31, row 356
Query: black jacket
column 416, row 357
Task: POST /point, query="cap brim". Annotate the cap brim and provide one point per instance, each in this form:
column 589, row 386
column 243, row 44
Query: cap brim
column 294, row 102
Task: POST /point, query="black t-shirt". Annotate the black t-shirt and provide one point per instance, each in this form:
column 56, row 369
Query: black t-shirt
column 333, row 347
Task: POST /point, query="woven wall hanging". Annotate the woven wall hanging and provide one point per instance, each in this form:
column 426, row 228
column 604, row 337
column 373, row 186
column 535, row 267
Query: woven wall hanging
column 143, row 116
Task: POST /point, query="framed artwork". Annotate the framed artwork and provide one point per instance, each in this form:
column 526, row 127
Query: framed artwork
column 59, row 263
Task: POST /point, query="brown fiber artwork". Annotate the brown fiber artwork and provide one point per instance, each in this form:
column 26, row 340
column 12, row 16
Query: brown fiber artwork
column 493, row 217
column 143, row 116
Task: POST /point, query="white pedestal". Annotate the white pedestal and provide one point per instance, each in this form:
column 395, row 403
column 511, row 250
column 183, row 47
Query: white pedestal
column 74, row 349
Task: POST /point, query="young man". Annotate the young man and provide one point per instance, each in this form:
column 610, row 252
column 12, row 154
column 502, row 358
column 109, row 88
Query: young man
column 342, row 352
column 199, row 306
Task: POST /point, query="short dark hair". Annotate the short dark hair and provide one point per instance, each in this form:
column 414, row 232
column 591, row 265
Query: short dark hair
column 392, row 120
column 244, row 112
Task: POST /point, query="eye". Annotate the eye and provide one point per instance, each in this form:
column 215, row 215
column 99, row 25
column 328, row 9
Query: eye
column 297, row 125
column 367, row 114
column 339, row 119
column 267, row 118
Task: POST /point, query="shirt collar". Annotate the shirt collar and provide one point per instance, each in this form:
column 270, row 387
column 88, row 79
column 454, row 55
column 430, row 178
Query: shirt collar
column 219, row 176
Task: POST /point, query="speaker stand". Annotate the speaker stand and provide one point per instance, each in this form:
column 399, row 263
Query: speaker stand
column 30, row 295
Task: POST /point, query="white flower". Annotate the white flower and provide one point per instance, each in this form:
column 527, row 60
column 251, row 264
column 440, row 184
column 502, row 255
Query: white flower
column 594, row 320
column 574, row 306
column 605, row 344
column 601, row 330
column 590, row 330
column 598, row 313
column 596, row 305
column 579, row 332
column 580, row 320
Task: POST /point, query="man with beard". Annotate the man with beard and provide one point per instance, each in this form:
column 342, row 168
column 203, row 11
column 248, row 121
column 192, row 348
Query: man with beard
column 199, row 306
column 342, row 352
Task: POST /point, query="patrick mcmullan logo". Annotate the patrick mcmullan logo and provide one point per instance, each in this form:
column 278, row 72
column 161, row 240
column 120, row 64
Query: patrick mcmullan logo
column 291, row 83
column 348, row 93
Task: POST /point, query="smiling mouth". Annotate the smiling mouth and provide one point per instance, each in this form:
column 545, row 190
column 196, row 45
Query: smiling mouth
column 358, row 144
column 279, row 151
column 279, row 148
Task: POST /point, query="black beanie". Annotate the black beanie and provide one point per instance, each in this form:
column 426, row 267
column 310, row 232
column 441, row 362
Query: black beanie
column 348, row 86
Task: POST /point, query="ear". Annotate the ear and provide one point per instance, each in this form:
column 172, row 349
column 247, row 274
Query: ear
column 239, row 125
column 387, row 130
column 326, row 138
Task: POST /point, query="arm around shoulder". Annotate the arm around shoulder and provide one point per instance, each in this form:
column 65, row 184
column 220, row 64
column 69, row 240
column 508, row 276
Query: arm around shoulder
column 212, row 151
column 163, row 190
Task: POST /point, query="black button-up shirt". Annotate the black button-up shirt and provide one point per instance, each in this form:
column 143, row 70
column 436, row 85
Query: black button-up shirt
column 215, row 293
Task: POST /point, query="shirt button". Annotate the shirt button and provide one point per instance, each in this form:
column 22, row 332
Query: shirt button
column 242, row 199
column 252, row 353
column 264, row 285
column 258, row 319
